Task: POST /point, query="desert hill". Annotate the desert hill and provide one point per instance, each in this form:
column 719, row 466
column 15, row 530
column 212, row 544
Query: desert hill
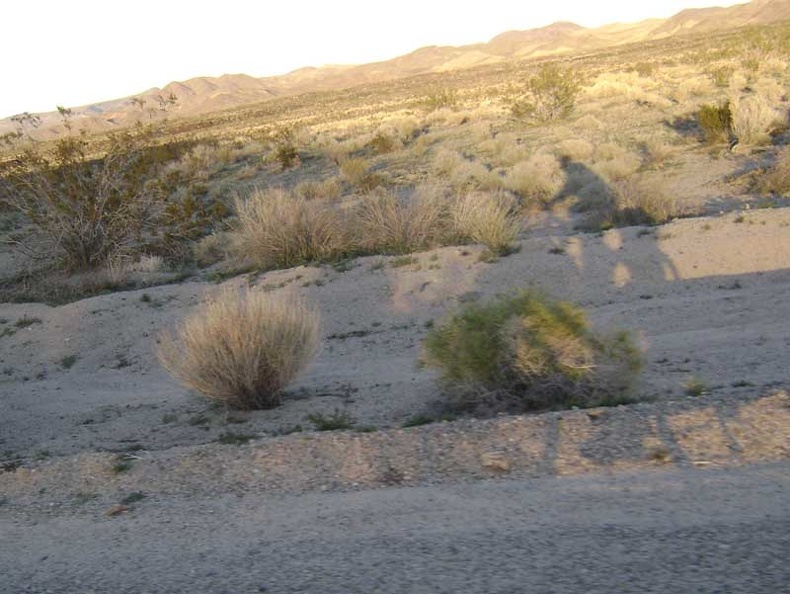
column 205, row 94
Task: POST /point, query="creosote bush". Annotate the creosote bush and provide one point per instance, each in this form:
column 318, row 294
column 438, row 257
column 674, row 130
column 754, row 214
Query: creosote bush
column 553, row 91
column 529, row 352
column 95, row 199
column 87, row 207
column 716, row 122
column 242, row 348
column 285, row 151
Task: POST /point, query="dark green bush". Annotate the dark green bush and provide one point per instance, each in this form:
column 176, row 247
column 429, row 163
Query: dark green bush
column 285, row 151
column 528, row 352
column 716, row 122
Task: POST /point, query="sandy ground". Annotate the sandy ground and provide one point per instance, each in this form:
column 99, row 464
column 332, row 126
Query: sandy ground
column 677, row 530
column 707, row 298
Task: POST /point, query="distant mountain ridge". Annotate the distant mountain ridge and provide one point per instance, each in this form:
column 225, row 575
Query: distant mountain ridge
column 205, row 94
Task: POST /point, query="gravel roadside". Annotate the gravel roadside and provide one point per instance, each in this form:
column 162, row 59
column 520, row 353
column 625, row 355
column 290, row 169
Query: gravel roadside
column 703, row 432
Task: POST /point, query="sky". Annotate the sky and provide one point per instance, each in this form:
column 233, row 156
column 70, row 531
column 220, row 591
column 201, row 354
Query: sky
column 77, row 52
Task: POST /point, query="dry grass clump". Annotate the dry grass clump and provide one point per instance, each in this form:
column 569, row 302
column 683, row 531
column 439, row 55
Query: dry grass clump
column 588, row 123
column 446, row 161
column 635, row 201
column 404, row 128
column 465, row 174
column 383, row 142
column 776, row 179
column 770, row 90
column 641, row 202
column 200, row 163
column 721, row 74
column 615, row 84
column 489, row 218
column 752, row 118
column 242, row 349
column 212, row 248
column 356, row 171
column 206, row 160
column 692, row 87
column 386, row 223
column 620, row 167
column 446, row 116
column 123, row 270
column 506, row 149
column 536, row 180
column 328, row 189
column 607, row 151
column 576, row 149
column 656, row 152
column 472, row 174
column 278, row 230
column 529, row 352
column 335, row 150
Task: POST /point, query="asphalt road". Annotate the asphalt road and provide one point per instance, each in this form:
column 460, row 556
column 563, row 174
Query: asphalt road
column 670, row 531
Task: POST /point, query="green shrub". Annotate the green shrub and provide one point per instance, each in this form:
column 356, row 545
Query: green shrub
column 716, row 122
column 337, row 421
column 553, row 92
column 528, row 352
column 94, row 199
column 242, row 348
column 285, row 151
column 287, row 156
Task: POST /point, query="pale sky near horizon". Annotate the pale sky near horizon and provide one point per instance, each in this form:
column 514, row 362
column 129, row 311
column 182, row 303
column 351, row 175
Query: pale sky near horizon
column 77, row 52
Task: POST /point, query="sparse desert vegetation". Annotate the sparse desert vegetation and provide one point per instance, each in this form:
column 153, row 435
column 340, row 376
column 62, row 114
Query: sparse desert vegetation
column 389, row 205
